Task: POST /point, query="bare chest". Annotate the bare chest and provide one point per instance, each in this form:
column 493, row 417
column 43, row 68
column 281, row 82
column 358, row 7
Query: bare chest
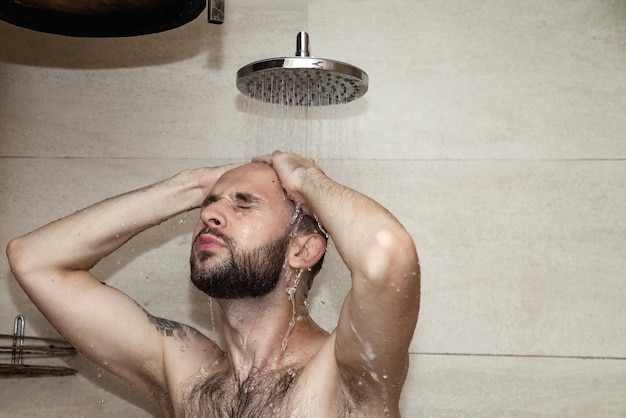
column 274, row 395
column 260, row 395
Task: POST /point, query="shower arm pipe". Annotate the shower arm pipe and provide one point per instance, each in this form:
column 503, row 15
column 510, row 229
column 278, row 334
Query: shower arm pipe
column 302, row 45
column 216, row 11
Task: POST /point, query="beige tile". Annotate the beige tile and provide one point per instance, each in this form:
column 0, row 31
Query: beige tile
column 517, row 257
column 452, row 386
column 90, row 393
column 483, row 80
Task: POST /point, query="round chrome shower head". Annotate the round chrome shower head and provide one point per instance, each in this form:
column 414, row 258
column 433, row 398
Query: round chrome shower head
column 302, row 80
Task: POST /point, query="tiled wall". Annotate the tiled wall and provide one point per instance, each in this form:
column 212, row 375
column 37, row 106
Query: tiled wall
column 495, row 131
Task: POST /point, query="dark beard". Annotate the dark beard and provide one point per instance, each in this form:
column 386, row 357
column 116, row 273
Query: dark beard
column 253, row 273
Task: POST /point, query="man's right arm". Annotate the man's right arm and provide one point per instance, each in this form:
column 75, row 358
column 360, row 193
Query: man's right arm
column 52, row 265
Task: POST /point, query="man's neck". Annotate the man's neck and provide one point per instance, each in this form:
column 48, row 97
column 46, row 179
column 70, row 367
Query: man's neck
column 265, row 334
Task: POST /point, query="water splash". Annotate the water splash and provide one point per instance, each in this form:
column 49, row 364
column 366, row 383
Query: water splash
column 297, row 216
column 212, row 318
column 291, row 292
column 320, row 226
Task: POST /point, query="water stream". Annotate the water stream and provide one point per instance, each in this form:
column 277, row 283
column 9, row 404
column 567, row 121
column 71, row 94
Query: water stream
column 329, row 135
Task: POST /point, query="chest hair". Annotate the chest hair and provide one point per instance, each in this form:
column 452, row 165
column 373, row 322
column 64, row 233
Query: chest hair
column 221, row 395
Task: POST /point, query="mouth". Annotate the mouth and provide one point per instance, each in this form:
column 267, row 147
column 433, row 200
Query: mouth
column 208, row 242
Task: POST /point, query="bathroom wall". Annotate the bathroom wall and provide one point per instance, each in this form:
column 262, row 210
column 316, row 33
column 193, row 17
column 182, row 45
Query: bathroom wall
column 495, row 131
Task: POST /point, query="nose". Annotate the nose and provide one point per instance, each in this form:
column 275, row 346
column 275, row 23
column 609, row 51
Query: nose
column 213, row 215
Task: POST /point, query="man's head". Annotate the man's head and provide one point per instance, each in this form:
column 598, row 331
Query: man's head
column 248, row 235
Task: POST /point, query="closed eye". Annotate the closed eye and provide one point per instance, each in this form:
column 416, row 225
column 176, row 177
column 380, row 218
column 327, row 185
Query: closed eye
column 244, row 200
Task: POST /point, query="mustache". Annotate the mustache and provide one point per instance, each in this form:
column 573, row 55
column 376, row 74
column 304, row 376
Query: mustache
column 216, row 233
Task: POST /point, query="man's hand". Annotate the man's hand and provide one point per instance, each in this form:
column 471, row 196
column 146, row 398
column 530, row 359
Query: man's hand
column 207, row 176
column 293, row 170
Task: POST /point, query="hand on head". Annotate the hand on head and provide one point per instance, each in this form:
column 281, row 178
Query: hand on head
column 209, row 175
column 292, row 170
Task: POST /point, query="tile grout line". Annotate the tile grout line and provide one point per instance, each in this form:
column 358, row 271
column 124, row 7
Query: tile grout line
column 369, row 160
column 540, row 356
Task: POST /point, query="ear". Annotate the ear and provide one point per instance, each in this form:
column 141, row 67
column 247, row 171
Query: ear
column 305, row 250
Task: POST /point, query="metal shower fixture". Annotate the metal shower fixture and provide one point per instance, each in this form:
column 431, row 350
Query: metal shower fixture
column 20, row 347
column 302, row 80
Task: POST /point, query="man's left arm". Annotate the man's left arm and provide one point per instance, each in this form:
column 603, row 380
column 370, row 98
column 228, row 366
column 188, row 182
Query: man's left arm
column 380, row 312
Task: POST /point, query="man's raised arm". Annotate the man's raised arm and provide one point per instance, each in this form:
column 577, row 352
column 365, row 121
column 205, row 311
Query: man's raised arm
column 379, row 314
column 52, row 265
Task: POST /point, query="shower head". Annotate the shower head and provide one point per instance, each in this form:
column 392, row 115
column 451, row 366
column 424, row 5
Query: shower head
column 302, row 80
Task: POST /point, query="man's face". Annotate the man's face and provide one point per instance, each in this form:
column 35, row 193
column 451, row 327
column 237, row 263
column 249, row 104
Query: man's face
column 241, row 240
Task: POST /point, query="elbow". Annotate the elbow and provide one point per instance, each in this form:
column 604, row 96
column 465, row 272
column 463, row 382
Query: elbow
column 393, row 258
column 18, row 261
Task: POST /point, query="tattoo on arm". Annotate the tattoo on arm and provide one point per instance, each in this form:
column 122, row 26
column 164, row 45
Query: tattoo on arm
column 168, row 328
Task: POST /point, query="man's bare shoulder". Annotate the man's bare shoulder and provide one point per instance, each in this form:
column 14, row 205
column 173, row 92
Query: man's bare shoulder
column 187, row 352
column 326, row 390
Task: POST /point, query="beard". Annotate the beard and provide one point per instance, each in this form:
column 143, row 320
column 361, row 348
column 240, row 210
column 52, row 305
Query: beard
column 241, row 274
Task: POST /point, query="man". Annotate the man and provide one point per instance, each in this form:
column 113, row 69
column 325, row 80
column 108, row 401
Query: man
column 255, row 254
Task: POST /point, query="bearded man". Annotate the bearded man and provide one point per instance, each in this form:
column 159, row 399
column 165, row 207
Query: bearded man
column 256, row 249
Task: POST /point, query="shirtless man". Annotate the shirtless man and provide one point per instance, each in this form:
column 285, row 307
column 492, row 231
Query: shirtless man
column 250, row 255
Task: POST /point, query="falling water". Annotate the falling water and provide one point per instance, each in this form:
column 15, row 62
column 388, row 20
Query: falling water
column 212, row 319
column 283, row 114
column 269, row 127
column 332, row 132
column 291, row 294
column 283, row 121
